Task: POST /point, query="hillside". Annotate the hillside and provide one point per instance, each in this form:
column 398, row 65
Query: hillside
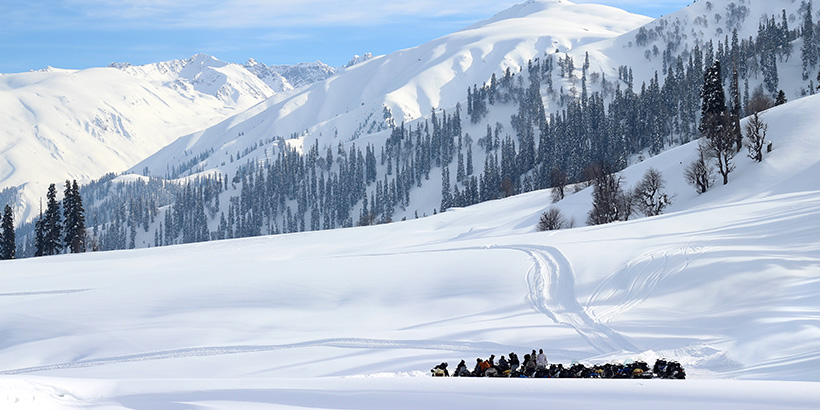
column 644, row 49
column 614, row 109
column 68, row 124
column 726, row 282
column 407, row 84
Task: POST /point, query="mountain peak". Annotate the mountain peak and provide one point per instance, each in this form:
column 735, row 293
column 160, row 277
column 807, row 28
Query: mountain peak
column 358, row 59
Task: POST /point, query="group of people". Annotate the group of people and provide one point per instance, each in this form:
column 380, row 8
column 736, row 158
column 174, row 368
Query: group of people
column 506, row 367
column 535, row 365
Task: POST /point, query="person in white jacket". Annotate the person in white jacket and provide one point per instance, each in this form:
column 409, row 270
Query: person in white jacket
column 541, row 360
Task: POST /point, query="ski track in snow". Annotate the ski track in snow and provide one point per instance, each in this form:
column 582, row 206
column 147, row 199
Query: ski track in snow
column 347, row 343
column 643, row 275
column 45, row 292
column 551, row 285
column 551, row 292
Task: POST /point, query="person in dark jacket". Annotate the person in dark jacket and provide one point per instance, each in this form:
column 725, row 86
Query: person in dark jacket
column 514, row 362
column 503, row 365
column 461, row 370
column 477, row 371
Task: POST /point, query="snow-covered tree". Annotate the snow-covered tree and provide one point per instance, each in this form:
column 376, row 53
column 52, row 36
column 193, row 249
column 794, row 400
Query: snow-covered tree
column 810, row 42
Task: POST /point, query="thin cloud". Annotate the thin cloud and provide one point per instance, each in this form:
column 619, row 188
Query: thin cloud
column 269, row 14
column 165, row 14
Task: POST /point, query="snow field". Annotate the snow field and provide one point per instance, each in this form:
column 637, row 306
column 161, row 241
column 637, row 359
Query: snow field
column 726, row 283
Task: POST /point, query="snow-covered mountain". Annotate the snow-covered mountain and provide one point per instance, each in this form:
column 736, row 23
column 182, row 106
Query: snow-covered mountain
column 407, row 84
column 726, row 282
column 290, row 76
column 358, row 59
column 369, row 98
column 69, row 124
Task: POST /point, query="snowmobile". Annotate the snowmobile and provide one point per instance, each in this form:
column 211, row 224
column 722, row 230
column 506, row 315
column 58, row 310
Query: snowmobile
column 440, row 370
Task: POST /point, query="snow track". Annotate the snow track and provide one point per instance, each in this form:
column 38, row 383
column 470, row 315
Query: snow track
column 637, row 280
column 45, row 292
column 346, row 343
column 551, row 285
column 551, row 291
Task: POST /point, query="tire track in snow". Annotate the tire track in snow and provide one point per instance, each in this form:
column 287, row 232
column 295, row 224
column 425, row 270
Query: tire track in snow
column 347, row 343
column 551, row 284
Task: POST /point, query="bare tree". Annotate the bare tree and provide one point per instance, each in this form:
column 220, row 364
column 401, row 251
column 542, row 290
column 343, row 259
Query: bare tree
column 720, row 143
column 552, row 220
column 627, row 203
column 609, row 202
column 700, row 173
column 649, row 195
column 756, row 134
column 558, row 181
column 760, row 101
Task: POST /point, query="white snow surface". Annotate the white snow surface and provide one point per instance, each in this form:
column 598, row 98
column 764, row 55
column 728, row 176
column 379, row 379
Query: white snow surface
column 727, row 282
column 69, row 124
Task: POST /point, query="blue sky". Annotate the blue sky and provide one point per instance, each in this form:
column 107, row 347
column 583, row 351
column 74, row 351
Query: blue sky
column 93, row 33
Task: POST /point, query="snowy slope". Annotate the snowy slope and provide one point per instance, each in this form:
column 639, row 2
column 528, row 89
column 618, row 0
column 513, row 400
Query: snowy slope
column 727, row 282
column 367, row 98
column 697, row 24
column 409, row 83
column 273, row 79
column 61, row 124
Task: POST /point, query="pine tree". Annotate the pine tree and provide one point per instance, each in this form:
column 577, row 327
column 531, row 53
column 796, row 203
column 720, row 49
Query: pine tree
column 734, row 92
column 768, row 63
column 715, row 122
column 712, row 95
column 809, row 50
column 52, row 226
column 39, row 233
column 446, row 198
column 73, row 213
column 8, row 247
column 781, row 98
